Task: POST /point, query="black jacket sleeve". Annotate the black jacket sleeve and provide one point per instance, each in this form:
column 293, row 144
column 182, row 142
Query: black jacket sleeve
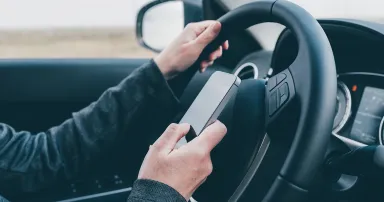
column 149, row 191
column 29, row 162
column 3, row 199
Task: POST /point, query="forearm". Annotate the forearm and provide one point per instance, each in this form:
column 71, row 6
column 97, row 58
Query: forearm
column 29, row 162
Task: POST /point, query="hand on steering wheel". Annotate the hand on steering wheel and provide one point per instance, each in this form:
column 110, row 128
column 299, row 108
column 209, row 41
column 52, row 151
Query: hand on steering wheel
column 187, row 47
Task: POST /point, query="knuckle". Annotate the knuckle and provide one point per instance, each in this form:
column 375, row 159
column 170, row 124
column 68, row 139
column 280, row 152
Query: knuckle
column 209, row 168
column 205, row 168
column 190, row 26
column 172, row 128
column 155, row 146
column 211, row 35
column 153, row 151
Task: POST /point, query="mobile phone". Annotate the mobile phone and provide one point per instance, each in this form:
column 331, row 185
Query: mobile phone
column 209, row 103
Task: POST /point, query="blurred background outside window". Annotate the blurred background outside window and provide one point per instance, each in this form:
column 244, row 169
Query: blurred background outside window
column 70, row 29
column 106, row 28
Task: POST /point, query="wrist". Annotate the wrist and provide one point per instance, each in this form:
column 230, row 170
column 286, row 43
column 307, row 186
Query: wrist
column 165, row 67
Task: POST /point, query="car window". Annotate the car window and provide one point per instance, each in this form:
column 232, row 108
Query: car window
column 70, row 29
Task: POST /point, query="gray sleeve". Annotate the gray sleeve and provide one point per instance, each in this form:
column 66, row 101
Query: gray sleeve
column 29, row 162
column 153, row 191
column 3, row 199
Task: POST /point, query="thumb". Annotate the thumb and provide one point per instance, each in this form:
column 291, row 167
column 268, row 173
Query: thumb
column 210, row 137
column 209, row 34
column 168, row 140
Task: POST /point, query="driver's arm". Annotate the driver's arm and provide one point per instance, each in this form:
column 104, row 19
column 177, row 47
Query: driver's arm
column 29, row 162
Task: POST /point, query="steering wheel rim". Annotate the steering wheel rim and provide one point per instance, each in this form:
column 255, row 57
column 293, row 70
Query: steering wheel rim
column 312, row 83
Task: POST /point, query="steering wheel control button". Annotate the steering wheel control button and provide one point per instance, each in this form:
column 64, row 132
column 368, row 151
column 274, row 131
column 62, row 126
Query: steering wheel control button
column 283, row 89
column 284, row 93
column 283, row 99
column 272, row 83
column 273, row 103
column 281, row 77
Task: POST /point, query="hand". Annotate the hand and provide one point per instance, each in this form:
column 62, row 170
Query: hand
column 186, row 167
column 187, row 47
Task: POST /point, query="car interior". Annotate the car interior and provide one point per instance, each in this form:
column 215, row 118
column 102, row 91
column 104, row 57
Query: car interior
column 310, row 126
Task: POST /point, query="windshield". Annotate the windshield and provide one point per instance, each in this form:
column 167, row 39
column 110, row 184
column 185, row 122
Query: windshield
column 267, row 33
column 357, row 9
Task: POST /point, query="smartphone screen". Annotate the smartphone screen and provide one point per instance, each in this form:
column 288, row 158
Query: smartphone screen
column 211, row 101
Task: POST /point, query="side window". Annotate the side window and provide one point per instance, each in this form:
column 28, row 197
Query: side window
column 70, row 29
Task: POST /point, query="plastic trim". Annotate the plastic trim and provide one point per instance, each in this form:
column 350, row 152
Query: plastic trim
column 245, row 65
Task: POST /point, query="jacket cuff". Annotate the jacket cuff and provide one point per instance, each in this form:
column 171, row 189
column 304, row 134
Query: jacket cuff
column 158, row 86
column 150, row 190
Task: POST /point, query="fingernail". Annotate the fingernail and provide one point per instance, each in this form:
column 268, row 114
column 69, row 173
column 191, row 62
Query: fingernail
column 185, row 125
column 226, row 45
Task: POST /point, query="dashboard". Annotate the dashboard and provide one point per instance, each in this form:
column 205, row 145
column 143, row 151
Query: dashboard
column 360, row 107
column 359, row 114
column 357, row 47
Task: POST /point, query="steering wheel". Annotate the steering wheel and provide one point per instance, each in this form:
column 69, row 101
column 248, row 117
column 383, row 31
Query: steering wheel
column 308, row 87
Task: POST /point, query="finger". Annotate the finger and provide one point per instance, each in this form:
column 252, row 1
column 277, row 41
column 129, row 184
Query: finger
column 204, row 65
column 210, row 137
column 216, row 54
column 168, row 140
column 208, row 34
column 199, row 27
column 226, row 45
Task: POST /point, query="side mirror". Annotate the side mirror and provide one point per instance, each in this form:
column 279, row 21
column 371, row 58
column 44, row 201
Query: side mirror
column 158, row 23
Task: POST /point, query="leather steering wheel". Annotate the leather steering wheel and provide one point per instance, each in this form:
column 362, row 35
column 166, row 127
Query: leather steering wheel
column 309, row 82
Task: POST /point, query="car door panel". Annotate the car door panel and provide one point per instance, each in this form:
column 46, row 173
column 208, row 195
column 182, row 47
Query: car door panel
column 38, row 94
